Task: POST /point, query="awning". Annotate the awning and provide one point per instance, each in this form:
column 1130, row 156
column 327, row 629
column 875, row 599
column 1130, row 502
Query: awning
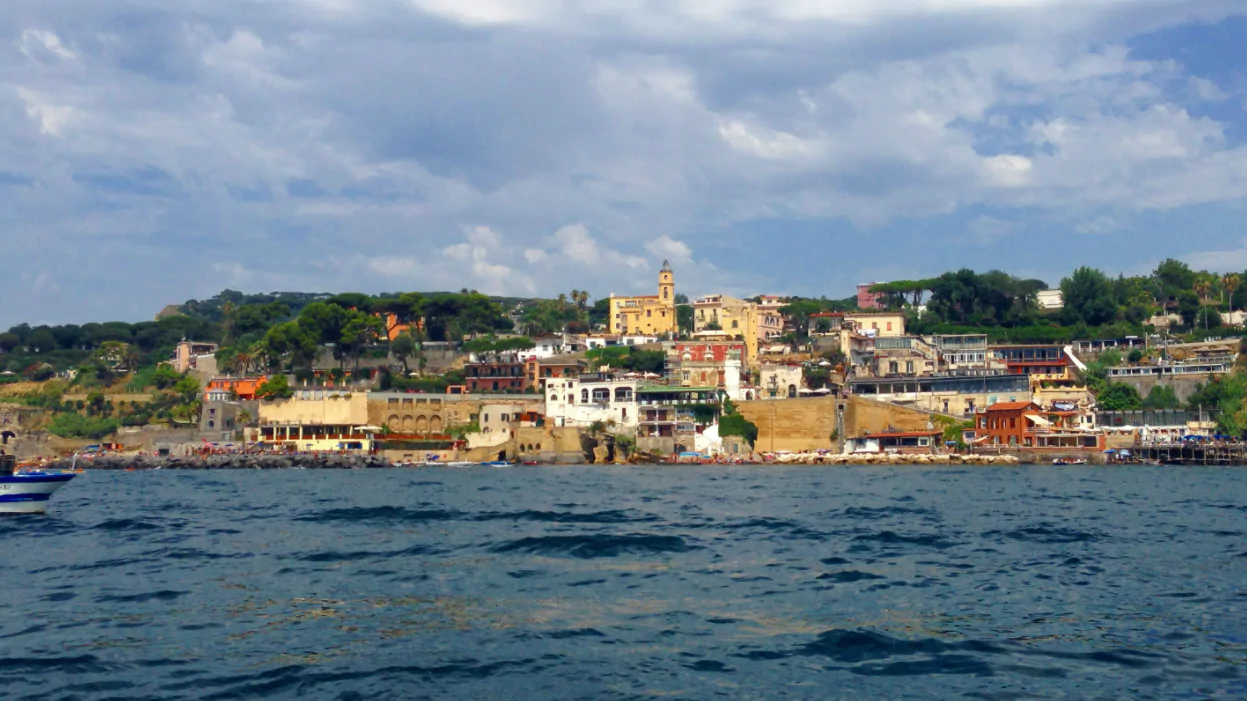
column 1038, row 420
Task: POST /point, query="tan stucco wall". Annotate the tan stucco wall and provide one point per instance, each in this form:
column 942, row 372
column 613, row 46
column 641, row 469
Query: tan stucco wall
column 349, row 409
column 863, row 416
column 792, row 424
column 868, row 321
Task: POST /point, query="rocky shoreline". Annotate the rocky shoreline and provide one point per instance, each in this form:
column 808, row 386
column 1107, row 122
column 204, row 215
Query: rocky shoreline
column 266, row 461
column 232, row 461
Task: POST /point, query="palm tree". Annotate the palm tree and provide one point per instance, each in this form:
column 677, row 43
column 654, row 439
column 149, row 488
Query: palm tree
column 1202, row 288
column 228, row 311
column 1231, row 283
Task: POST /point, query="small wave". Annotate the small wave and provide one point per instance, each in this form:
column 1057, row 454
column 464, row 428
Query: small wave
column 869, row 513
column 709, row 666
column 848, row 576
column 378, row 514
column 349, row 556
column 127, row 524
column 79, row 664
column 591, row 546
column 162, row 595
column 894, row 538
column 776, row 525
column 613, row 516
column 1047, row 533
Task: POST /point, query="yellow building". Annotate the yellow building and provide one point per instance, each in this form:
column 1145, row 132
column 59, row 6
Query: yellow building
column 878, row 324
column 648, row 314
column 320, row 419
column 737, row 318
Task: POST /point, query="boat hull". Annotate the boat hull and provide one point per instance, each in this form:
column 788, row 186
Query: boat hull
column 29, row 493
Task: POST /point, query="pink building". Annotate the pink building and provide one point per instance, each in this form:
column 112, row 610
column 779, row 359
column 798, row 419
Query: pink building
column 867, row 299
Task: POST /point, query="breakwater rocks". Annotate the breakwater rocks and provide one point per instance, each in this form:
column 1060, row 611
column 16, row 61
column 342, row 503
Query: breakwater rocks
column 230, row 461
column 892, row 459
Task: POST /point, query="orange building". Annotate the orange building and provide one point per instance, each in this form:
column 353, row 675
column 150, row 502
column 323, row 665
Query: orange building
column 223, row 388
column 1026, row 425
column 394, row 329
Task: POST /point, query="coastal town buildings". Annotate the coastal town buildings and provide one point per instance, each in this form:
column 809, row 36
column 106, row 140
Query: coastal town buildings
column 220, row 389
column 1027, row 425
column 321, row 420
column 1050, row 300
column 647, row 314
column 753, row 322
column 503, row 372
column 593, row 341
column 867, row 299
column 709, row 364
column 778, row 381
column 594, row 397
column 554, row 368
column 191, row 355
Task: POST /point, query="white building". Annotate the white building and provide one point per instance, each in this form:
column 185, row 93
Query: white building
column 607, row 340
column 779, row 381
column 1050, row 300
column 593, row 397
column 549, row 346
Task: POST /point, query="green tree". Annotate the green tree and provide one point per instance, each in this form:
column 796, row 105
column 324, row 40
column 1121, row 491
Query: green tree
column 683, row 314
column 187, row 389
column 1119, row 397
column 733, row 424
column 1088, row 297
column 1161, row 397
column 403, row 347
column 276, row 387
column 165, row 377
column 361, row 330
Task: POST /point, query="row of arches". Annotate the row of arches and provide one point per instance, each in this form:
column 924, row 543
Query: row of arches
column 530, row 447
column 420, row 423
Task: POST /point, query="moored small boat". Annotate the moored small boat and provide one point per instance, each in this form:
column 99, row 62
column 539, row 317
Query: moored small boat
column 27, row 492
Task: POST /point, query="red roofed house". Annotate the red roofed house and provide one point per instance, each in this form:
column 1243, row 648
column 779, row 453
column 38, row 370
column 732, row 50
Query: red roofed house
column 1026, row 425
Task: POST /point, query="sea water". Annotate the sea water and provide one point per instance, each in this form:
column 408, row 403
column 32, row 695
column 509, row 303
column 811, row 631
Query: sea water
column 631, row 583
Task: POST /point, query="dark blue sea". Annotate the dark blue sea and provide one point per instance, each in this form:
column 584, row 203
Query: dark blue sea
column 631, row 583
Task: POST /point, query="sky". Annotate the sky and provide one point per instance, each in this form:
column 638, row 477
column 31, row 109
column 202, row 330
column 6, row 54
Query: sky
column 153, row 152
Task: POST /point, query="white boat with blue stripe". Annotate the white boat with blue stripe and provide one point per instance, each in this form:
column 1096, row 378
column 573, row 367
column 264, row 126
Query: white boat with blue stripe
column 27, row 492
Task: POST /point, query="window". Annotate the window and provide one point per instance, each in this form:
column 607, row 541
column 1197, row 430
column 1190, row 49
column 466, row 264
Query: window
column 506, row 417
column 735, row 324
column 889, row 326
column 893, row 367
column 909, row 367
column 874, row 325
column 584, row 396
column 649, row 313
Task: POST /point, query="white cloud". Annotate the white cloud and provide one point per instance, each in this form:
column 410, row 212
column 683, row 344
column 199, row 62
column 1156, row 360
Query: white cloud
column 987, row 228
column 625, row 118
column 1228, row 261
column 35, row 42
column 1007, row 170
column 668, row 248
column 1099, row 225
column 52, row 118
